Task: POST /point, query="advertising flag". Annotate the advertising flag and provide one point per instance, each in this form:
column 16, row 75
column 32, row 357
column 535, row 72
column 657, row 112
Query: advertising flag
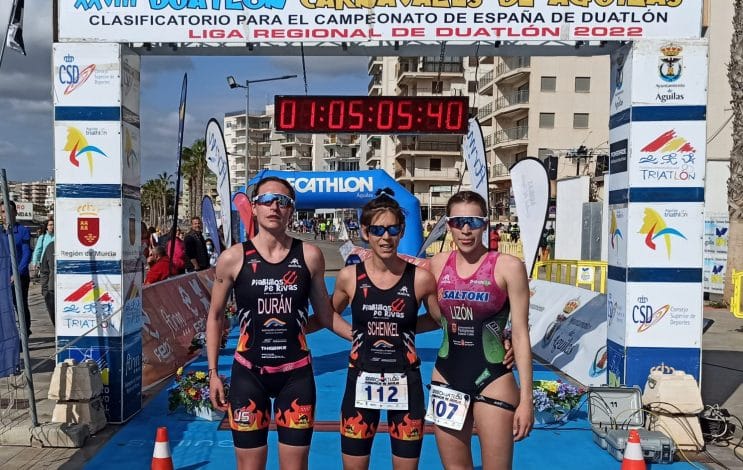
column 181, row 123
column 209, row 219
column 245, row 209
column 437, row 232
column 15, row 29
column 531, row 191
column 473, row 148
column 216, row 160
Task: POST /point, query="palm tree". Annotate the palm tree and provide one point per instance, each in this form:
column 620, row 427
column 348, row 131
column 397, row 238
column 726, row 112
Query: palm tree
column 735, row 183
column 194, row 168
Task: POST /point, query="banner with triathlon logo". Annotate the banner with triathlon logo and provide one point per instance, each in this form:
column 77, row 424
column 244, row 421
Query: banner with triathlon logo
column 216, row 160
column 282, row 21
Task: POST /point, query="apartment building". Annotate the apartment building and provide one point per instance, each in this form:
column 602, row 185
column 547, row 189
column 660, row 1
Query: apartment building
column 527, row 106
column 40, row 193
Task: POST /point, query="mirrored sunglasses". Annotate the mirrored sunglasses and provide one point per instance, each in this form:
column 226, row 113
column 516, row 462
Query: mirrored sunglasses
column 266, row 199
column 474, row 222
column 378, row 230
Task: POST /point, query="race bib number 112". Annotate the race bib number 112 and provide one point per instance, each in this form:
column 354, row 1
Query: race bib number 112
column 382, row 391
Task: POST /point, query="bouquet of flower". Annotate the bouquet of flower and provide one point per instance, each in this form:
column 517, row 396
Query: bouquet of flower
column 230, row 311
column 555, row 397
column 191, row 391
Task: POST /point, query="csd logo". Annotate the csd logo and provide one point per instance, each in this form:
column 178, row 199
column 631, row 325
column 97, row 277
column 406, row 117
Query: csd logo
column 69, row 74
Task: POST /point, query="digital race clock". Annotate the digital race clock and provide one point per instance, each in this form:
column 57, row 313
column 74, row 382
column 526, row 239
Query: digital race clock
column 371, row 114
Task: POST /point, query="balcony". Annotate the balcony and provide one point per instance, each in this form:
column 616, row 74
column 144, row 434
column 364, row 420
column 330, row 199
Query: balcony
column 374, row 65
column 512, row 137
column 428, row 67
column 499, row 172
column 342, row 140
column 428, row 147
column 512, row 69
column 417, row 174
column 488, row 140
column 294, row 139
column 485, row 84
column 512, row 103
column 484, row 114
column 375, row 85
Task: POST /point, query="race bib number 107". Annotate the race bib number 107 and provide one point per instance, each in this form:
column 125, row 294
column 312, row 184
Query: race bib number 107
column 447, row 407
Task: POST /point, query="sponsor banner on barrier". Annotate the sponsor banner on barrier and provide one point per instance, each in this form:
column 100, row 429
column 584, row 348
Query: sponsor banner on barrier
column 615, row 364
column 664, row 315
column 87, row 152
column 616, row 308
column 88, row 302
column 670, row 73
column 174, row 310
column 619, row 158
column 131, row 376
column 90, row 231
column 567, row 328
column 621, row 79
column 130, row 155
column 84, row 74
column 667, row 154
column 665, row 235
column 713, row 275
column 131, row 231
column 24, row 210
column 357, row 21
column 618, row 235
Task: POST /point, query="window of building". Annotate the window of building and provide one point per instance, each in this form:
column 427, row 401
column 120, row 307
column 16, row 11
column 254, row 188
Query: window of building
column 519, row 156
column 580, row 121
column 289, row 151
column 472, row 86
column 434, row 164
column 582, row 84
column 549, row 83
column 437, row 86
column 542, row 153
column 546, row 120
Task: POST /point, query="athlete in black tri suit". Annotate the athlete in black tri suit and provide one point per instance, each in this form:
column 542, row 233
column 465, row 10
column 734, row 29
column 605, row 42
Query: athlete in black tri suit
column 384, row 292
column 274, row 277
column 475, row 289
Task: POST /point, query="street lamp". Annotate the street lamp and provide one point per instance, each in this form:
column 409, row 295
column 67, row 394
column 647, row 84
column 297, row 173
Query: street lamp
column 234, row 84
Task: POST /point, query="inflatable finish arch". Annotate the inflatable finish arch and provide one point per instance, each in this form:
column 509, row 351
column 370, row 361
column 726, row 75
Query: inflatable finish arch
column 352, row 189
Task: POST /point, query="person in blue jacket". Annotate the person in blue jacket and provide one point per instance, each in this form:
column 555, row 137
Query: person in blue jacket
column 22, row 238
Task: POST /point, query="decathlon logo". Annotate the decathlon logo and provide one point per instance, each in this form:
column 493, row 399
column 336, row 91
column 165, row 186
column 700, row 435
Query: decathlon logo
column 336, row 184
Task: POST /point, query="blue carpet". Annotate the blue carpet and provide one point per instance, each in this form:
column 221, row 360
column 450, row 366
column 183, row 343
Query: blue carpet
column 197, row 444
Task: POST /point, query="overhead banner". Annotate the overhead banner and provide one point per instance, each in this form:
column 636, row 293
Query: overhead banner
column 216, row 160
column 283, row 21
column 531, row 191
column 473, row 148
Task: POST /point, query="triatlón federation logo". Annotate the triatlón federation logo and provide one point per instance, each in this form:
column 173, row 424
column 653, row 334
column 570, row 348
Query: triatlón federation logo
column 668, row 158
column 614, row 231
column 78, row 145
column 654, row 226
column 89, row 292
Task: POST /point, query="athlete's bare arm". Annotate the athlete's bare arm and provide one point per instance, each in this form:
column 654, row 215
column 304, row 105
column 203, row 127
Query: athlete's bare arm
column 513, row 272
column 425, row 289
column 229, row 265
column 325, row 316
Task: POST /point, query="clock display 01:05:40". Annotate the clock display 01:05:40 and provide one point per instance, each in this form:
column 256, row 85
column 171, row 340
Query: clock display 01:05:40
column 372, row 114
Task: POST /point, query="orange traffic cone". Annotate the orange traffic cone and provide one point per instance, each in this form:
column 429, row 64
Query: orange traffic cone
column 161, row 459
column 633, row 458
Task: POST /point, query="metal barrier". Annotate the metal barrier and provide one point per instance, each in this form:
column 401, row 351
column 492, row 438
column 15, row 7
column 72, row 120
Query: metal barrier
column 735, row 307
column 578, row 273
column 512, row 248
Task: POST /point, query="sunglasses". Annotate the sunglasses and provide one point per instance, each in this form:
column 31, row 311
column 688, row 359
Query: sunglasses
column 474, row 222
column 266, row 199
column 378, row 230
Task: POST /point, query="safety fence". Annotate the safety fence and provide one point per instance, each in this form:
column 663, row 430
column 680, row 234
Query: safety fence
column 735, row 306
column 587, row 274
column 447, row 244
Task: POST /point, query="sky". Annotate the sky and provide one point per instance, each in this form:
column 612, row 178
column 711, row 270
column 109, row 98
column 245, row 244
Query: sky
column 26, row 127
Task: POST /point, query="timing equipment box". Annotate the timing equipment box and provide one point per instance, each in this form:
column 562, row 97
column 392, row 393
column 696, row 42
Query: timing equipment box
column 656, row 446
column 612, row 411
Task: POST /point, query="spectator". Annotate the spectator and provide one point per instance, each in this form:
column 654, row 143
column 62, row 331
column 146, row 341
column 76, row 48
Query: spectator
column 494, row 238
column 42, row 243
column 22, row 239
column 515, row 232
column 323, row 229
column 154, row 236
column 197, row 258
column 179, row 254
column 551, row 243
column 46, row 271
column 159, row 270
